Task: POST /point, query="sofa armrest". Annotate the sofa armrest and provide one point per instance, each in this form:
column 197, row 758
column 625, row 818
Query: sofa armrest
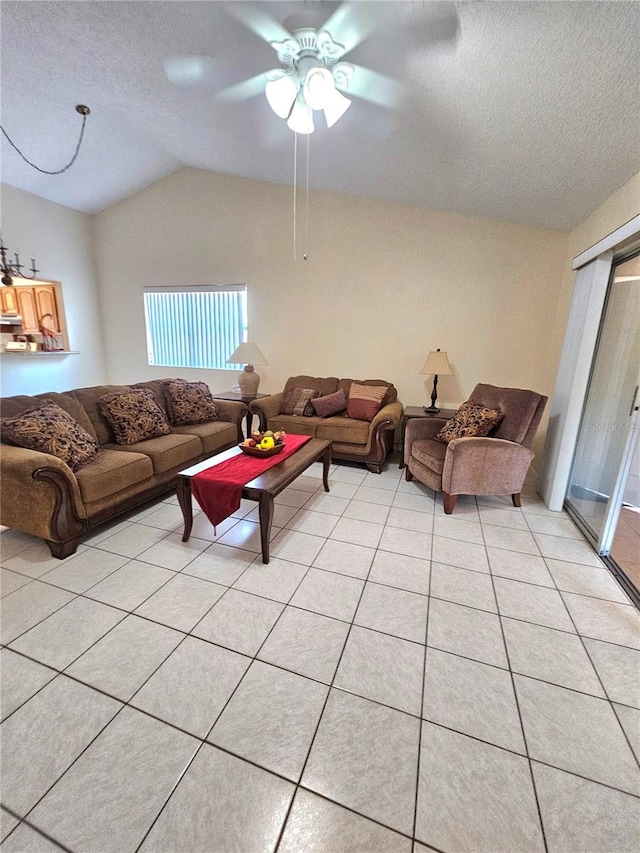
column 40, row 494
column 485, row 466
column 267, row 407
column 231, row 411
column 391, row 412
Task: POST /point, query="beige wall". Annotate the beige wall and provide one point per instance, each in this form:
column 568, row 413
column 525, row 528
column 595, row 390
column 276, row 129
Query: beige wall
column 384, row 284
column 618, row 209
column 60, row 239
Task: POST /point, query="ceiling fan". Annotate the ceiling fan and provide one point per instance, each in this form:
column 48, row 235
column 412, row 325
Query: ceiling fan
column 313, row 76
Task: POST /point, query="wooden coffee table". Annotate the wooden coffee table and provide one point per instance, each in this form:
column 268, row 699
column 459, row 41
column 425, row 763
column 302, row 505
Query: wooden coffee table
column 263, row 488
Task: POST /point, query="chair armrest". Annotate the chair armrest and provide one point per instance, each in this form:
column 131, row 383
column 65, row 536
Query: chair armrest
column 420, row 428
column 267, row 407
column 485, row 466
column 37, row 490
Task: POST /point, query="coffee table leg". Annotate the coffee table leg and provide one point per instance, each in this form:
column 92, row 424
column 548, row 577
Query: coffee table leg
column 184, row 499
column 326, row 464
column 266, row 517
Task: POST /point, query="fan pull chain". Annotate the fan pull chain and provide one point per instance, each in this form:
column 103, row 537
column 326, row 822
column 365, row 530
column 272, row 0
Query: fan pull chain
column 306, row 235
column 295, row 171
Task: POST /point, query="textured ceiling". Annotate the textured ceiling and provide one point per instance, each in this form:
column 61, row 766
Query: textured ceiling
column 530, row 114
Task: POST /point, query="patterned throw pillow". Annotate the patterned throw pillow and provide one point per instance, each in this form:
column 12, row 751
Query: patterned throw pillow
column 189, row 402
column 134, row 416
column 365, row 401
column 471, row 419
column 330, row 404
column 297, row 402
column 49, row 429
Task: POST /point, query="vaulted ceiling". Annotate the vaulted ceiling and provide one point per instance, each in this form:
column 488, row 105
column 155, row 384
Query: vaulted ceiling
column 524, row 111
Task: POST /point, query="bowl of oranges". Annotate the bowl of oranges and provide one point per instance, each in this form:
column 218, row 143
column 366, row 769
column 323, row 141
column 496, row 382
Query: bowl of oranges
column 266, row 443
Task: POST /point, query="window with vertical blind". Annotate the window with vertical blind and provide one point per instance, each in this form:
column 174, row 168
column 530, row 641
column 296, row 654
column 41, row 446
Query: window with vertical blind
column 195, row 326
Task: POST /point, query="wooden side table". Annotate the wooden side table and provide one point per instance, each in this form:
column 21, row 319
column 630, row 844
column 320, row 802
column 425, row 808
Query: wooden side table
column 419, row 412
column 239, row 398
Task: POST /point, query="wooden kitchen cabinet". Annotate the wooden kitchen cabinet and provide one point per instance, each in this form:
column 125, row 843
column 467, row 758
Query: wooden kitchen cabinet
column 46, row 303
column 9, row 301
column 34, row 301
column 27, row 308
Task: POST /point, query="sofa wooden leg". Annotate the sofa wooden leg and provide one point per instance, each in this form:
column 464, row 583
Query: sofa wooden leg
column 375, row 467
column 516, row 499
column 61, row 550
column 449, row 502
column 408, row 475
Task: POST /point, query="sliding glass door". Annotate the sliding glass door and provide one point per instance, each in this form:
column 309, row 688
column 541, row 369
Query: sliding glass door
column 609, row 427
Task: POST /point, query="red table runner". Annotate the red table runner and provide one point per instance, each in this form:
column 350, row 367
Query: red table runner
column 218, row 489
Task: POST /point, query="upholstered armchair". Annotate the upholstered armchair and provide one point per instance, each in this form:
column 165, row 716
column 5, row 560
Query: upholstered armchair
column 494, row 465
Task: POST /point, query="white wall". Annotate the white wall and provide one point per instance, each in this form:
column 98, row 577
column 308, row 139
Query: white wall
column 61, row 241
column 384, row 284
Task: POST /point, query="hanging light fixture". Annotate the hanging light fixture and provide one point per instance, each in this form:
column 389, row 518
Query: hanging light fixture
column 10, row 269
column 309, row 80
column 82, row 110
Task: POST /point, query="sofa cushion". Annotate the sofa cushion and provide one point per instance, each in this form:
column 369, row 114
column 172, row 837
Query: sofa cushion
column 166, row 451
column 365, row 401
column 156, row 386
column 189, row 402
column 390, row 397
column 133, row 416
column 88, row 399
column 323, row 385
column 343, row 429
column 49, row 429
column 213, row 435
column 294, row 424
column 21, row 402
column 297, row 402
column 430, row 453
column 111, row 472
column 470, row 420
column 330, row 404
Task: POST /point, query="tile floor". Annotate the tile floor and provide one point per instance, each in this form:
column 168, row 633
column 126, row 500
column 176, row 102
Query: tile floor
column 394, row 680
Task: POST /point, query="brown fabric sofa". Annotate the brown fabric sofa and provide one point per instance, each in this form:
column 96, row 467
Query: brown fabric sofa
column 355, row 440
column 43, row 497
column 493, row 465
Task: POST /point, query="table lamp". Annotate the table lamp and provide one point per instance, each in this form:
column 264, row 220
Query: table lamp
column 437, row 363
column 248, row 354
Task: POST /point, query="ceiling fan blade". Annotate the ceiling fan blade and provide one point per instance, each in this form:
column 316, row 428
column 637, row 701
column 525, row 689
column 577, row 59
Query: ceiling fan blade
column 353, row 22
column 373, row 87
column 188, row 70
column 263, row 25
column 246, row 89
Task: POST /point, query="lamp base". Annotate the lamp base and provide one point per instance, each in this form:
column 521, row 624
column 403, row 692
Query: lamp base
column 430, row 410
column 248, row 381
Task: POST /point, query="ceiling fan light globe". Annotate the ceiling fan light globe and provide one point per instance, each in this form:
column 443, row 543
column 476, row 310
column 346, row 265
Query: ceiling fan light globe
column 318, row 87
column 281, row 94
column 336, row 107
column 301, row 118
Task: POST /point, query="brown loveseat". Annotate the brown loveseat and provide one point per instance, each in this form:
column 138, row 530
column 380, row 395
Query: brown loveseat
column 42, row 496
column 355, row 440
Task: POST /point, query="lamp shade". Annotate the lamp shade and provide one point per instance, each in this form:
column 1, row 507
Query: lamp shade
column 247, row 353
column 281, row 93
column 318, row 87
column 301, row 118
column 335, row 107
column 437, row 363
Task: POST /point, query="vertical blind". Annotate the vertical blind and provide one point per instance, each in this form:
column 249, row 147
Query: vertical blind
column 195, row 326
